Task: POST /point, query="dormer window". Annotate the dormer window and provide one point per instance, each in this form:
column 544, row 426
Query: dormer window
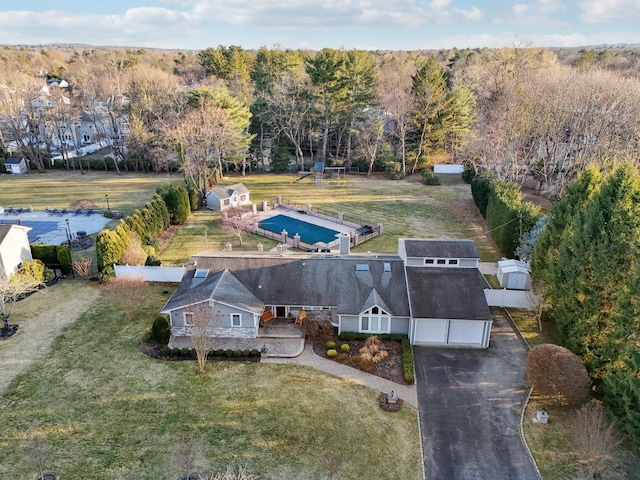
column 375, row 320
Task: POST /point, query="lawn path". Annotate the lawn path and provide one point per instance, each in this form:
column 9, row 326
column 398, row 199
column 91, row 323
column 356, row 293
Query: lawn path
column 41, row 317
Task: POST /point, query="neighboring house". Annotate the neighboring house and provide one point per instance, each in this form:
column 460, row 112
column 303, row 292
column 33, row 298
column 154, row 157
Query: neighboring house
column 224, row 198
column 16, row 165
column 14, row 248
column 514, row 275
column 431, row 291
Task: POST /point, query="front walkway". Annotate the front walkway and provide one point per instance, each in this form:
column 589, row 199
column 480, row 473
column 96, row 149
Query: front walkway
column 310, row 359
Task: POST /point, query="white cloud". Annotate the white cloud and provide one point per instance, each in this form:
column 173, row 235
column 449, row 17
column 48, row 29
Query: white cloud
column 602, row 11
column 333, row 13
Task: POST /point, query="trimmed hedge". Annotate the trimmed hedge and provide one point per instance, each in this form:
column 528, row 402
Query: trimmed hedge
column 394, row 337
column 160, row 330
column 53, row 255
column 407, row 361
column 177, row 200
column 191, row 353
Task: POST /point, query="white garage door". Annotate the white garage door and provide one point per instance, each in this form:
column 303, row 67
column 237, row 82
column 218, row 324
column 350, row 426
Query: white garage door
column 429, row 332
column 466, row 332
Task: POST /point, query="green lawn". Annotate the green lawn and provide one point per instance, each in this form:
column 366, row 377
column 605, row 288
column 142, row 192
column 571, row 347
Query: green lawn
column 59, row 189
column 406, row 208
column 107, row 411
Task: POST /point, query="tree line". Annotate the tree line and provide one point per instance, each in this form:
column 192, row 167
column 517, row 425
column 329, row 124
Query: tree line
column 519, row 112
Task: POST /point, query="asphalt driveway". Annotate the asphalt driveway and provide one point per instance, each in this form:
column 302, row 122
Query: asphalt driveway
column 469, row 403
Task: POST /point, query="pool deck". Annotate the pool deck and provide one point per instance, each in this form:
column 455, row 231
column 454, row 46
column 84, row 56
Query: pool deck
column 312, row 219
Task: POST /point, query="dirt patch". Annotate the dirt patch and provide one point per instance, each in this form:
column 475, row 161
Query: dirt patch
column 42, row 317
column 389, row 367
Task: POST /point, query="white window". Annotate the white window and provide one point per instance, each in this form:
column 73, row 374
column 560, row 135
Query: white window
column 188, row 319
column 428, row 261
column 453, row 262
column 236, row 321
column 375, row 320
column 442, row 261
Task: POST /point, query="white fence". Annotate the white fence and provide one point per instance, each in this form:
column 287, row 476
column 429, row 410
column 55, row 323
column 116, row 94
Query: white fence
column 152, row 274
column 509, row 298
column 448, row 168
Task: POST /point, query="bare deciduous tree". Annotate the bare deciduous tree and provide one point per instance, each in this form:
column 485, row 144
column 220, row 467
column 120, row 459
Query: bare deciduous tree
column 11, row 290
column 199, row 316
column 240, row 224
column 594, row 437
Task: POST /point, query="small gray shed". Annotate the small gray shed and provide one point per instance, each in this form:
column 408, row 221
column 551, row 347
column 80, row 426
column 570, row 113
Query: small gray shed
column 16, row 165
column 514, row 275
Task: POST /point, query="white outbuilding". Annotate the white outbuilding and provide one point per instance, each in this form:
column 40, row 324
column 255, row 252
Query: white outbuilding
column 514, row 274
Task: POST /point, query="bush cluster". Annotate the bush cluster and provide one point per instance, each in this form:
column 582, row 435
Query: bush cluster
column 429, row 178
column 53, row 255
column 345, row 347
column 332, row 353
column 147, row 223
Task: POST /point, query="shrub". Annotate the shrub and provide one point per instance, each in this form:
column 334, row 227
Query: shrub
column 160, row 330
column 407, row 362
column 330, row 344
column 342, row 357
column 176, row 198
column 480, row 190
column 373, row 350
column 194, row 199
column 63, row 255
column 108, row 214
column 394, row 169
column 345, row 347
column 469, row 171
column 34, row 269
column 429, row 178
column 153, row 261
column 555, row 370
column 332, row 353
column 367, row 365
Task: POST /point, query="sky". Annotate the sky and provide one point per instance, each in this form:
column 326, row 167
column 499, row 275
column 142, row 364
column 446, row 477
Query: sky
column 314, row 24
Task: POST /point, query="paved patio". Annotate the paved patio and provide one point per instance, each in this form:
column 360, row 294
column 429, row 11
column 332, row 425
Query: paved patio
column 50, row 228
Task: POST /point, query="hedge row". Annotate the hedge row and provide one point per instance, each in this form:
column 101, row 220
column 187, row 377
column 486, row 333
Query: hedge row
column 147, row 223
column 353, row 336
column 508, row 216
column 53, row 255
column 176, row 198
column 407, row 361
column 191, row 353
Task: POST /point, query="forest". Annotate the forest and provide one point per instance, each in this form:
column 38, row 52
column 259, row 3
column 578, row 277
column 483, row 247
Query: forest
column 521, row 114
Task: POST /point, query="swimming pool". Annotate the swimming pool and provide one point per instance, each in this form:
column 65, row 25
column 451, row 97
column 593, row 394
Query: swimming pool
column 309, row 233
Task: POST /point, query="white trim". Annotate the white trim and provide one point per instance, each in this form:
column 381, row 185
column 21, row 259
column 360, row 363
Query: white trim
column 235, row 316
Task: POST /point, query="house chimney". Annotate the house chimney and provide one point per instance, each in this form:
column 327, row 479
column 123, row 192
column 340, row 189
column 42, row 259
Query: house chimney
column 345, row 244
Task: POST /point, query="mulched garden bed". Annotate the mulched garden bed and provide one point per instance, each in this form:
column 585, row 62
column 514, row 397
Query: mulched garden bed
column 389, row 367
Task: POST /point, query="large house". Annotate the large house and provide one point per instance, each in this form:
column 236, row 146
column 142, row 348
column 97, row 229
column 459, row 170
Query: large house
column 431, row 291
column 14, row 248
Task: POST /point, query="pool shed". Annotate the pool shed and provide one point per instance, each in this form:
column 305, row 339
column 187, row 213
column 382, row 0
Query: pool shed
column 514, row 274
column 16, row 165
column 225, row 198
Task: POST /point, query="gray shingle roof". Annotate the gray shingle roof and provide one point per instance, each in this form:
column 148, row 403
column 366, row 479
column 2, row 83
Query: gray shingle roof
column 452, row 293
column 4, row 230
column 13, row 160
column 227, row 192
column 441, row 248
column 220, row 286
column 307, row 280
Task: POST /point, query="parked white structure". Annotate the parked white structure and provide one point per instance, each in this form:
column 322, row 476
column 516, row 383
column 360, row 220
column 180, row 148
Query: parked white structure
column 14, row 248
column 16, row 165
column 514, row 275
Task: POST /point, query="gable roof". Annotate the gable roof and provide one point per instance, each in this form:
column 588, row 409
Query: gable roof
column 450, row 293
column 220, row 286
column 14, row 160
column 440, row 248
column 308, row 280
column 227, row 192
column 375, row 300
column 5, row 228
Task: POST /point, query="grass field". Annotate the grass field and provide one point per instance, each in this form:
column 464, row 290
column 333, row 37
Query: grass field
column 406, row 208
column 107, row 411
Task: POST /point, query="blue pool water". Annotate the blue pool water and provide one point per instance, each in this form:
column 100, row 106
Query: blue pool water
column 309, row 233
